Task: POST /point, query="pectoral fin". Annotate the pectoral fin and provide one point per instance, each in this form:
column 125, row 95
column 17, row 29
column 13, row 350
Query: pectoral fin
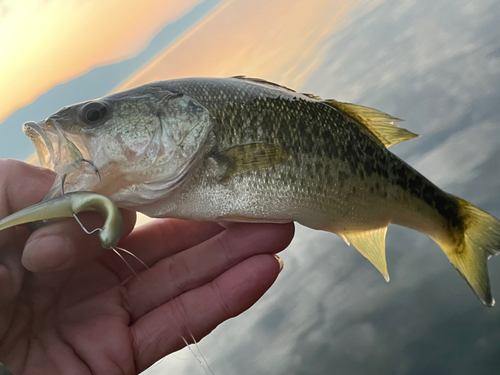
column 371, row 244
column 249, row 157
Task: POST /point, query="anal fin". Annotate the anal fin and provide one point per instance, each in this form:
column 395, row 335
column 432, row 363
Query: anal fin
column 371, row 244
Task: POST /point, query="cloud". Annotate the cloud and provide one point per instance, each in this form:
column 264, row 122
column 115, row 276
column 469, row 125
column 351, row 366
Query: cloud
column 277, row 40
column 459, row 153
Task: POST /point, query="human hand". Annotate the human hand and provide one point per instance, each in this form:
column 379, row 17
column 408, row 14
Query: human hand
column 70, row 307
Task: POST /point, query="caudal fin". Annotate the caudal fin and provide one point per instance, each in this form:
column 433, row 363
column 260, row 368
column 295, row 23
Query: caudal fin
column 470, row 250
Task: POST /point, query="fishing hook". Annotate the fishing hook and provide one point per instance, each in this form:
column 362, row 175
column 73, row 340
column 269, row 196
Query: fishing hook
column 96, row 171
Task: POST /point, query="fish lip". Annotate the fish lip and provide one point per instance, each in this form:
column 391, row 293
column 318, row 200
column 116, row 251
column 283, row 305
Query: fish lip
column 42, row 142
column 54, row 150
column 63, row 153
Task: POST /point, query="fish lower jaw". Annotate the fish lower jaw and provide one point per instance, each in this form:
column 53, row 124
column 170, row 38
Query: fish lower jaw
column 42, row 144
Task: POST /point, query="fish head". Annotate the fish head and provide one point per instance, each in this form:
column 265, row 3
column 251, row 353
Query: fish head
column 143, row 142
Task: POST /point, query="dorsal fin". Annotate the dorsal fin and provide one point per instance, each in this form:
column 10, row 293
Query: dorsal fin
column 379, row 124
column 261, row 81
column 312, row 96
column 371, row 244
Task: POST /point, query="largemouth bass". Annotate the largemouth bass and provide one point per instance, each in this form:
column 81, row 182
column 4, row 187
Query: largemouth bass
column 241, row 149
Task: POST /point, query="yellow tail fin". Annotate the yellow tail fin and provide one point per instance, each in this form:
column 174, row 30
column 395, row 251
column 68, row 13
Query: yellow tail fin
column 469, row 250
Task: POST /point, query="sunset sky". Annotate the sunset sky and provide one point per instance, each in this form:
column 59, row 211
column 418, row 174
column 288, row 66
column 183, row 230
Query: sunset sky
column 433, row 63
column 45, row 43
column 232, row 41
column 57, row 44
column 58, row 52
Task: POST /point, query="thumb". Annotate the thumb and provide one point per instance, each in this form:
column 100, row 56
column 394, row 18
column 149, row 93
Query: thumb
column 21, row 185
column 63, row 245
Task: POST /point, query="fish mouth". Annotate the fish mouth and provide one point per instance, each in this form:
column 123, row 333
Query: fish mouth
column 42, row 142
column 54, row 149
column 65, row 154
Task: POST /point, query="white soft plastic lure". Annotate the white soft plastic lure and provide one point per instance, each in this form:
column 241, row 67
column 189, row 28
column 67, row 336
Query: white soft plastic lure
column 69, row 205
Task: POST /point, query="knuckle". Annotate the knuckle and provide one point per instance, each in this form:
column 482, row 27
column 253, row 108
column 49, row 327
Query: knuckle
column 181, row 317
column 176, row 267
column 225, row 246
column 219, row 297
column 125, row 298
column 169, row 233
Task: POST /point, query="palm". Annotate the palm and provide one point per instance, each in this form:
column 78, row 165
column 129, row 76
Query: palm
column 88, row 315
column 79, row 315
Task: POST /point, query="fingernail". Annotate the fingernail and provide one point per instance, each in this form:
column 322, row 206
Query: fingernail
column 280, row 261
column 46, row 254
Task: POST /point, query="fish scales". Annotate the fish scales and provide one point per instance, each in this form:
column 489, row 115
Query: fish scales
column 333, row 162
column 242, row 149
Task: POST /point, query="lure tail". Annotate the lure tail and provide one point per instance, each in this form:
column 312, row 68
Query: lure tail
column 470, row 248
column 39, row 211
column 68, row 205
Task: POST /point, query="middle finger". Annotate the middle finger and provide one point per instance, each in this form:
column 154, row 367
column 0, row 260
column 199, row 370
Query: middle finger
column 203, row 263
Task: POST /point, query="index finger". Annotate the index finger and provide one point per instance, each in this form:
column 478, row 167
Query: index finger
column 161, row 238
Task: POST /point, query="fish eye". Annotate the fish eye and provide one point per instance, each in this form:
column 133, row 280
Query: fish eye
column 93, row 113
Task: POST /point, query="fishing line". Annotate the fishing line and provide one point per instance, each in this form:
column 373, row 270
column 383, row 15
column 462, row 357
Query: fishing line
column 115, row 249
column 127, row 263
column 131, row 254
column 199, row 351
column 83, row 227
column 203, row 361
column 202, row 364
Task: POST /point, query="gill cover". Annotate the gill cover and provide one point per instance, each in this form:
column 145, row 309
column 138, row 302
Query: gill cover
column 185, row 136
column 143, row 148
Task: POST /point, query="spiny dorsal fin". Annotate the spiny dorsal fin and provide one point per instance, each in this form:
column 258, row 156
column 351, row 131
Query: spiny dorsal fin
column 371, row 244
column 263, row 82
column 249, row 157
column 380, row 124
column 312, row 96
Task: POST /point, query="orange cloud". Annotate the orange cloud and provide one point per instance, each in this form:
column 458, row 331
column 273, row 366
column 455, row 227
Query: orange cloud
column 280, row 40
column 44, row 43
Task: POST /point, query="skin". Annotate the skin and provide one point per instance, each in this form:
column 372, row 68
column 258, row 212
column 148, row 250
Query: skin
column 69, row 306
